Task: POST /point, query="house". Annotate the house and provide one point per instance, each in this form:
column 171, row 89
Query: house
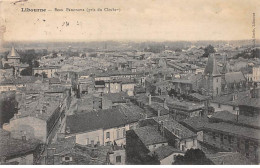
column 184, row 109
column 102, row 127
column 18, row 151
column 151, row 137
column 38, row 117
column 65, row 151
column 226, row 136
column 112, row 99
column 178, row 136
column 256, row 73
column 140, row 142
column 228, row 158
column 50, row 71
column 166, row 154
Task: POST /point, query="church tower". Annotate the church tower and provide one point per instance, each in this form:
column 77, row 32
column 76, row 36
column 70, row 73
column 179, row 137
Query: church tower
column 212, row 77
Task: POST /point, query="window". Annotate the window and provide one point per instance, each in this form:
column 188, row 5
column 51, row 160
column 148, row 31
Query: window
column 24, row 138
column 118, row 159
column 108, row 134
column 238, row 143
column 124, row 133
column 214, row 135
column 246, row 145
column 92, row 143
column 229, row 139
column 67, row 158
column 177, row 132
column 234, row 107
column 194, row 142
column 221, row 138
column 117, row 133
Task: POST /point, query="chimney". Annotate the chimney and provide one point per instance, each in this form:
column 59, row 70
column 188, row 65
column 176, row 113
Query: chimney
column 150, row 99
column 159, row 113
column 164, row 103
column 60, row 136
column 234, row 96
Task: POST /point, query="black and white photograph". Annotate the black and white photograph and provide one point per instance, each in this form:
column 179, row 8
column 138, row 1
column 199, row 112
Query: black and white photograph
column 129, row 82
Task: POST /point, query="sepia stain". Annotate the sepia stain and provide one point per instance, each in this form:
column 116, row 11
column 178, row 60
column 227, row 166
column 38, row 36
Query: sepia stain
column 14, row 3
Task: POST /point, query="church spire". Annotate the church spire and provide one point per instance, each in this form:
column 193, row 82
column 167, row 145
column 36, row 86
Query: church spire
column 226, row 66
column 211, row 67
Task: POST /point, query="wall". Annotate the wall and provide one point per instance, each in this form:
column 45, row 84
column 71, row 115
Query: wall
column 186, row 144
column 112, row 157
column 114, row 132
column 7, row 88
column 23, row 160
column 48, row 72
column 95, row 136
column 170, row 159
column 256, row 74
column 223, row 107
column 155, row 146
column 31, row 127
column 115, row 87
column 129, row 88
column 233, row 143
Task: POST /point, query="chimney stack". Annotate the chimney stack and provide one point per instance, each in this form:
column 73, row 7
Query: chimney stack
column 150, row 99
column 159, row 113
column 164, row 103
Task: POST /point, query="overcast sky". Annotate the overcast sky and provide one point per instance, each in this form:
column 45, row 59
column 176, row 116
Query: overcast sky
column 137, row 20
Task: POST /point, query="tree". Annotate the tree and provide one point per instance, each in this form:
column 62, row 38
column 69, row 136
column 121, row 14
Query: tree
column 208, row 50
column 44, row 75
column 27, row 71
column 7, row 66
column 36, row 64
column 193, row 157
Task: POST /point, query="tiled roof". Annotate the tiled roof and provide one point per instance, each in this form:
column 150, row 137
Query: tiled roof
column 226, row 116
column 184, row 105
column 228, row 99
column 116, row 97
column 165, row 151
column 234, row 77
column 199, row 97
column 173, row 125
column 149, row 135
column 228, row 158
column 20, row 80
column 195, row 123
column 101, row 119
column 11, row 147
column 201, row 123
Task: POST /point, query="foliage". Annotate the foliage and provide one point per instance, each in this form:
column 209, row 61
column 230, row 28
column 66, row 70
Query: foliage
column 136, row 152
column 193, row 157
column 7, row 66
column 208, row 50
column 247, row 55
column 27, row 71
column 44, row 75
column 8, row 108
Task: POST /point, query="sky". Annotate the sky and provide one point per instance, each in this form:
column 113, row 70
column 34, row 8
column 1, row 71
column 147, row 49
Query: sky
column 155, row 20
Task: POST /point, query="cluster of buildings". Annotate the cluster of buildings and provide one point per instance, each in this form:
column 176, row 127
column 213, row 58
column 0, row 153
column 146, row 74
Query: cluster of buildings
column 135, row 108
